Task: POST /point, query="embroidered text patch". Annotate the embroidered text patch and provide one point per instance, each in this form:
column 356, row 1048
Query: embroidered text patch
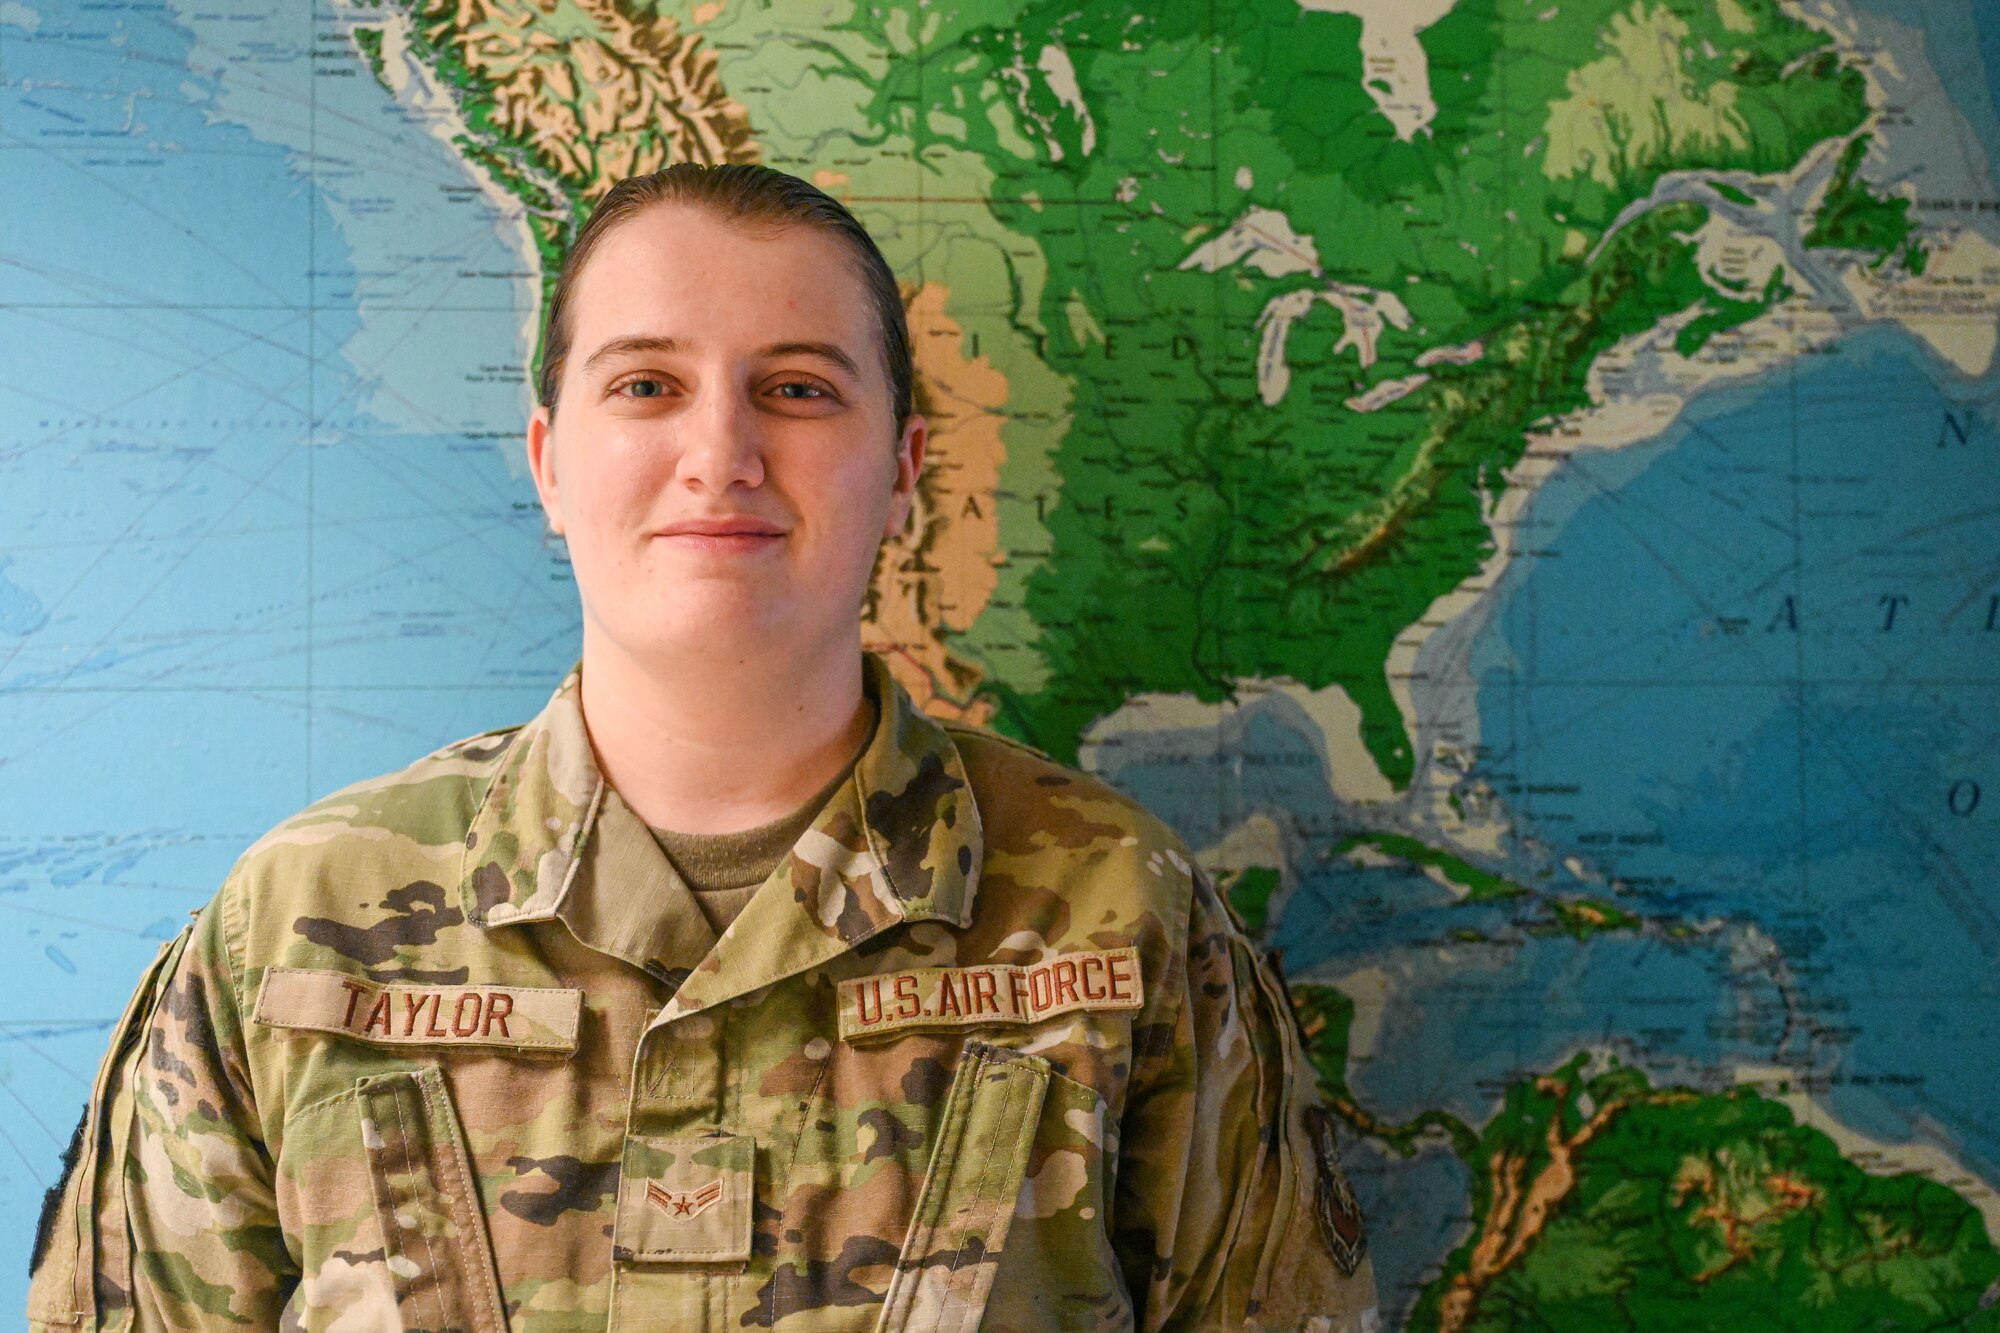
column 949, row 997
column 530, row 1018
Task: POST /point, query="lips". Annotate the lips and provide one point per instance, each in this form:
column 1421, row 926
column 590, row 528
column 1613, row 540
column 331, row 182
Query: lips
column 722, row 527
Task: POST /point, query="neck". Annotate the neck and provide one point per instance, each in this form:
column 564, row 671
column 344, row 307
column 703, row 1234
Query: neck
column 703, row 745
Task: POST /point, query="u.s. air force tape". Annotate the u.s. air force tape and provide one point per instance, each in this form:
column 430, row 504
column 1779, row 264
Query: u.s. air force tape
column 527, row 1018
column 950, row 997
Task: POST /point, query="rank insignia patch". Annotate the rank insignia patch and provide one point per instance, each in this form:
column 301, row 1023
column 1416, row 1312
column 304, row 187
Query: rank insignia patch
column 684, row 1203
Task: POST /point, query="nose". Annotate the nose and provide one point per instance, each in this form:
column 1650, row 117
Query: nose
column 721, row 441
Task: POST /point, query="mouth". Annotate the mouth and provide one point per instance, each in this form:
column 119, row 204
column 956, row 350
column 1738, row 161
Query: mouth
column 722, row 534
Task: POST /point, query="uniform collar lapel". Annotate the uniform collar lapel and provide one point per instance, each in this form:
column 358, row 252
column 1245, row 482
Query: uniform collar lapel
column 900, row 841
column 521, row 853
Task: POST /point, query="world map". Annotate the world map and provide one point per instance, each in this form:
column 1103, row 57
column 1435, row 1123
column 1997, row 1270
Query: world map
column 1516, row 485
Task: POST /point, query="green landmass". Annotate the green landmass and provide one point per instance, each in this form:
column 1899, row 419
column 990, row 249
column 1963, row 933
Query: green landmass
column 1201, row 536
column 1720, row 313
column 1578, row 917
column 1853, row 217
column 1479, row 885
column 368, row 41
column 1581, row 918
column 1603, row 1203
column 511, row 159
column 1250, row 894
column 1325, row 1016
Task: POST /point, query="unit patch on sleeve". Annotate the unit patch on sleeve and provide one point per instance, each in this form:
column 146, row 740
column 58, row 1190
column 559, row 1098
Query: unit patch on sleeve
column 528, row 1018
column 1334, row 1204
column 951, row 997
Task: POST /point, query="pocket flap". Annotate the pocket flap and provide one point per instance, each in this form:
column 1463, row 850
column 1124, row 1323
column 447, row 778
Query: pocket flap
column 82, row 1243
column 945, row 1271
column 433, row 1230
column 686, row 1200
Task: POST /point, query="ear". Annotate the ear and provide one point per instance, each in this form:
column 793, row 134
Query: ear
column 910, row 447
column 542, row 462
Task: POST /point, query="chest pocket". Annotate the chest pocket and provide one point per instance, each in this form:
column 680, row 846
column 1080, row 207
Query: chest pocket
column 382, row 1181
column 1008, row 1229
column 967, row 1203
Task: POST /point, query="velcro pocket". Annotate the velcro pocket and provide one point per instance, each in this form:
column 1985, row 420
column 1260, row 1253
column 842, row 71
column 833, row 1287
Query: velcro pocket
column 1310, row 1180
column 686, row 1200
column 83, row 1229
column 433, row 1230
column 945, row 1271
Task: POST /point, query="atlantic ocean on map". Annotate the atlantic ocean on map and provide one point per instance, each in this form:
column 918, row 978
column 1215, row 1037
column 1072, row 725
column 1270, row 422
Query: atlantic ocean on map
column 1516, row 485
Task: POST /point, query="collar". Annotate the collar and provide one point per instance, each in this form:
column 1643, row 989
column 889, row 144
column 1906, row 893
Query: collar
column 899, row 841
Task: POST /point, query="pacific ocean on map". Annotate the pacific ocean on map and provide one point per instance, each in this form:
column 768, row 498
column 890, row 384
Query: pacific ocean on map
column 280, row 439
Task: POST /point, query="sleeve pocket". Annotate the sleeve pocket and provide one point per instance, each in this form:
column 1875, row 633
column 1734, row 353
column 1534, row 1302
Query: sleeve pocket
column 83, row 1253
column 1313, row 1203
column 1281, row 1141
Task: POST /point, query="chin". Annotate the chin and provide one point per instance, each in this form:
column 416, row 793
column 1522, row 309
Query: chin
column 701, row 633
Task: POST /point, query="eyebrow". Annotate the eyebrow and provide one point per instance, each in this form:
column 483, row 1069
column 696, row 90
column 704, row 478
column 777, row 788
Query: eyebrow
column 668, row 346
column 823, row 351
column 639, row 343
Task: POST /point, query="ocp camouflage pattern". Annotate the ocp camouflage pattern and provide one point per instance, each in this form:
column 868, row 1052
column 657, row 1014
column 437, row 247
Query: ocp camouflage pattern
column 454, row 1049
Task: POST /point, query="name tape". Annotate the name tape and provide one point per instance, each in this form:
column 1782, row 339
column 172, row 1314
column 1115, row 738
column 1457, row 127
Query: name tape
column 520, row 1017
column 950, row 997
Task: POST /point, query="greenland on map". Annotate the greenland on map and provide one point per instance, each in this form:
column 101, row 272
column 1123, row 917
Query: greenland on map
column 1516, row 485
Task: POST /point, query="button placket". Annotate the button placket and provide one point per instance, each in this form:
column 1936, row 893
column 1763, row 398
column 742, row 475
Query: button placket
column 676, row 1096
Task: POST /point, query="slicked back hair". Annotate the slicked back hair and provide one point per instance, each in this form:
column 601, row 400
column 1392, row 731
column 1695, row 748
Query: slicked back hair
column 751, row 194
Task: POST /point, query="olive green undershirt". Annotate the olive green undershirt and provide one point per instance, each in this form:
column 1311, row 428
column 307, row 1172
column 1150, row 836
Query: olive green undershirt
column 725, row 869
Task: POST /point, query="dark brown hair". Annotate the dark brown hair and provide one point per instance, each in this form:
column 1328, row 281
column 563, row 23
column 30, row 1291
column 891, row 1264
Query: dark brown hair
column 737, row 192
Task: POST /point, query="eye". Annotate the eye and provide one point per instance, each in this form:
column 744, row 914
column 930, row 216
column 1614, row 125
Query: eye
column 808, row 391
column 644, row 388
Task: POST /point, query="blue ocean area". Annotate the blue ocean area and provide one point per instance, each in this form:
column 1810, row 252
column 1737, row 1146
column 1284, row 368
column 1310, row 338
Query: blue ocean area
column 1961, row 43
column 232, row 585
column 1752, row 681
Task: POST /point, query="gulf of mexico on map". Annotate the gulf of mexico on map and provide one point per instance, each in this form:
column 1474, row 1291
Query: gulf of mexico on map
column 1516, row 485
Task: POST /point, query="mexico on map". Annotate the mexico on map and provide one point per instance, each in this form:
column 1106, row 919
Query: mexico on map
column 1516, row 485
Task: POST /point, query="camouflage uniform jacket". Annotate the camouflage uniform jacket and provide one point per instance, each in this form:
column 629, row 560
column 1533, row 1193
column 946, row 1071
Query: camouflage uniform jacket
column 454, row 1049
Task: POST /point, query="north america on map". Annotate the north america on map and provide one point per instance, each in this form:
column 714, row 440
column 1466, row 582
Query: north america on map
column 1515, row 485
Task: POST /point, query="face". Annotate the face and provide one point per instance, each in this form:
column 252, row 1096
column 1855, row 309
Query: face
column 724, row 460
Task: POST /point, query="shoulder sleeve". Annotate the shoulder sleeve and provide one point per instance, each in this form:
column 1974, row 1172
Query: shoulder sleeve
column 166, row 1216
column 1231, row 1209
